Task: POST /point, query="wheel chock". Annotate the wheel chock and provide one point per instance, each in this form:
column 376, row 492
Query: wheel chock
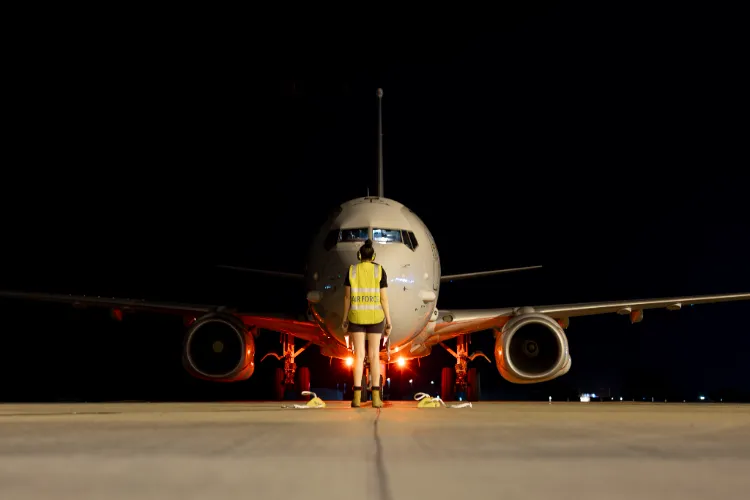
column 424, row 400
column 315, row 402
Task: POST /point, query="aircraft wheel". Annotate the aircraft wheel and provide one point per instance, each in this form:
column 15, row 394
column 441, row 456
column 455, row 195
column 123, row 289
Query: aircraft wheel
column 365, row 384
column 383, row 378
column 278, row 385
column 303, row 381
column 447, row 384
column 473, row 385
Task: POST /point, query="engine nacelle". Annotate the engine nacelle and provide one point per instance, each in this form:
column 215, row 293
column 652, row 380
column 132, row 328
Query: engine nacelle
column 532, row 348
column 219, row 347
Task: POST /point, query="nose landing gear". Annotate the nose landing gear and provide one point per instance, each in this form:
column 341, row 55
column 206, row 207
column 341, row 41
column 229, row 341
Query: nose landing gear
column 367, row 381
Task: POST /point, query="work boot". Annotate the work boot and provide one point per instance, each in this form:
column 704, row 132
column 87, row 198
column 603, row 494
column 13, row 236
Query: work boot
column 357, row 399
column 376, row 401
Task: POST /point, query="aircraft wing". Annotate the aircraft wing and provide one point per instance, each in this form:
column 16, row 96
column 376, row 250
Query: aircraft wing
column 481, row 274
column 278, row 274
column 451, row 323
column 302, row 329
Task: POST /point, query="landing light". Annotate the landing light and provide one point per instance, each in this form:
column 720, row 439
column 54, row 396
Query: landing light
column 401, row 362
column 349, row 361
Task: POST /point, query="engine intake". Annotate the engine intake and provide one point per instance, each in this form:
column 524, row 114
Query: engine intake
column 532, row 348
column 219, row 347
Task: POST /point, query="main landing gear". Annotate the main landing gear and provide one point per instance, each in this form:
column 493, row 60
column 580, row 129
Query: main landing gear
column 366, row 383
column 284, row 381
column 461, row 379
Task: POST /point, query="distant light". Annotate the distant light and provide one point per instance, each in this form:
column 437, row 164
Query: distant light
column 620, row 398
column 401, row 361
column 702, row 398
column 388, row 380
column 349, row 361
column 410, row 381
column 612, row 399
column 593, row 395
column 432, row 382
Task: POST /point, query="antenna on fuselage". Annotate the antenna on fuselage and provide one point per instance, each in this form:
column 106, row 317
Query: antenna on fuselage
column 380, row 144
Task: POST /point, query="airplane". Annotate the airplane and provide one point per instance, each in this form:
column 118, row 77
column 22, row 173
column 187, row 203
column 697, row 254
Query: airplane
column 531, row 345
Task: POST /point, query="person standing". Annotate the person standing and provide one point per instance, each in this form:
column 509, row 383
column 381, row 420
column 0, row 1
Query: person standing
column 366, row 312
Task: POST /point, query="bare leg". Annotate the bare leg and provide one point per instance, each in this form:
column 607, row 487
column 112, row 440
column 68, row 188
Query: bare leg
column 373, row 349
column 359, row 357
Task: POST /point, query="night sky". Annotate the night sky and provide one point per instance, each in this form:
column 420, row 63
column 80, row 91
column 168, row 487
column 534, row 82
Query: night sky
column 606, row 142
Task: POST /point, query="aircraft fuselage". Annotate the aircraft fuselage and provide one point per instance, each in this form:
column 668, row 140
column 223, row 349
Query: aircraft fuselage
column 403, row 246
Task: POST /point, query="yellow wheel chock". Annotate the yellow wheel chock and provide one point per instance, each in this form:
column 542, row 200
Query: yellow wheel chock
column 315, row 402
column 424, row 400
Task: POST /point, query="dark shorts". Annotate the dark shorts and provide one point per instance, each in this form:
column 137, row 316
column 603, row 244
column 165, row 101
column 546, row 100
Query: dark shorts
column 376, row 328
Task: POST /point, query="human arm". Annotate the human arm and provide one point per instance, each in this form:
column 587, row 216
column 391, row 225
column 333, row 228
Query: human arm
column 384, row 302
column 386, row 310
column 347, row 305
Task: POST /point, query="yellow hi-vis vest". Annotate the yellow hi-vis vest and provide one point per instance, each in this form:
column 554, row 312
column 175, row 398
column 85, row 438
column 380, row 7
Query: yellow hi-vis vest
column 365, row 308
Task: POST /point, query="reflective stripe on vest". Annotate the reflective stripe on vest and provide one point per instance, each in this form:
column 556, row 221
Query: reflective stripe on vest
column 364, row 280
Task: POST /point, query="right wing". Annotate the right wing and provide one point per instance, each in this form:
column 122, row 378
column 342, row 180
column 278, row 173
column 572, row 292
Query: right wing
column 279, row 274
column 452, row 277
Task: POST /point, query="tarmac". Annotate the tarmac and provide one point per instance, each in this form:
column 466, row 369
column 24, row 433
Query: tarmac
column 259, row 450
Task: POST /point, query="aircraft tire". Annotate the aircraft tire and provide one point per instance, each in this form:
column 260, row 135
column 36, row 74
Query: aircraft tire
column 447, row 384
column 303, row 381
column 278, row 385
column 365, row 383
column 473, row 385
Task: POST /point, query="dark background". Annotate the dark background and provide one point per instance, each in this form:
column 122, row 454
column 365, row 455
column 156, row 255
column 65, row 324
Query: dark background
column 606, row 142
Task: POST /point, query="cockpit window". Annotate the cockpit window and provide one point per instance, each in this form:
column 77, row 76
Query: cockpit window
column 413, row 239
column 359, row 234
column 331, row 239
column 408, row 241
column 386, row 235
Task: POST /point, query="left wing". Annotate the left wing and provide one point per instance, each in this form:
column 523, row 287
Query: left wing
column 302, row 329
column 452, row 323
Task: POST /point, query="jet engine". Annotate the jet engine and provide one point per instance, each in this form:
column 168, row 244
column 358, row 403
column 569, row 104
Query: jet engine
column 531, row 348
column 219, row 347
